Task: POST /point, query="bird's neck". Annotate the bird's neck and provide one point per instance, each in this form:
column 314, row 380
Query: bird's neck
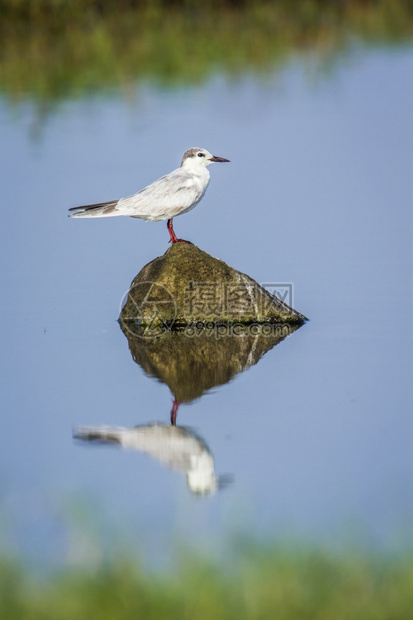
column 198, row 171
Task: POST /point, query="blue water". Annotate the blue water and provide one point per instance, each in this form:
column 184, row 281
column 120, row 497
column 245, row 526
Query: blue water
column 317, row 436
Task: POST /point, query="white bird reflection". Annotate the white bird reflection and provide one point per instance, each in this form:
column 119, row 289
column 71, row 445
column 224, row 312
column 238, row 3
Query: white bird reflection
column 176, row 447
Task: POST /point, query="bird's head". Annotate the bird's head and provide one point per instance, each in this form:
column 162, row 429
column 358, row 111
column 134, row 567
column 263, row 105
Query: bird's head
column 199, row 158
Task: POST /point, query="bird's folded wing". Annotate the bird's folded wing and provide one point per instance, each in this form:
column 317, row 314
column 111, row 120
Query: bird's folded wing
column 177, row 190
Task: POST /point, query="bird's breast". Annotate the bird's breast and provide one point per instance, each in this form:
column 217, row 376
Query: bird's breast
column 202, row 180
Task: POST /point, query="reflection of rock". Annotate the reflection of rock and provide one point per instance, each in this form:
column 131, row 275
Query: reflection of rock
column 187, row 285
column 193, row 361
column 175, row 447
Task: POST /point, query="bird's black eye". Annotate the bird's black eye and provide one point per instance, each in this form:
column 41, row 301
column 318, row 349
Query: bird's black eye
column 201, row 155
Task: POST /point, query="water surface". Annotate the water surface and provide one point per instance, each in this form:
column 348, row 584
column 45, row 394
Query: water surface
column 316, row 437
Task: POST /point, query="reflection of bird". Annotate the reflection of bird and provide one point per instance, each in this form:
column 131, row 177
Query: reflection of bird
column 171, row 195
column 176, row 447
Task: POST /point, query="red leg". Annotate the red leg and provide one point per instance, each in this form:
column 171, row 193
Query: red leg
column 172, row 237
column 174, row 412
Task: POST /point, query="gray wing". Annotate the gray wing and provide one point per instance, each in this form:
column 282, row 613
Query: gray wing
column 170, row 195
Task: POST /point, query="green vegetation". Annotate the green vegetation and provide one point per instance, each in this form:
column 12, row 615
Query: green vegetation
column 51, row 50
column 261, row 584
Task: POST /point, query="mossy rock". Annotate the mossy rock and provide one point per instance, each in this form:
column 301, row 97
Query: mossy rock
column 188, row 286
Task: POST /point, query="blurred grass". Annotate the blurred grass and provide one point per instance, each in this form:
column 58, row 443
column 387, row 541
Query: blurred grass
column 260, row 583
column 51, row 50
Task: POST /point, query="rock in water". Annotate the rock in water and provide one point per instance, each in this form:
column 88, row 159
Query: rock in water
column 187, row 286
